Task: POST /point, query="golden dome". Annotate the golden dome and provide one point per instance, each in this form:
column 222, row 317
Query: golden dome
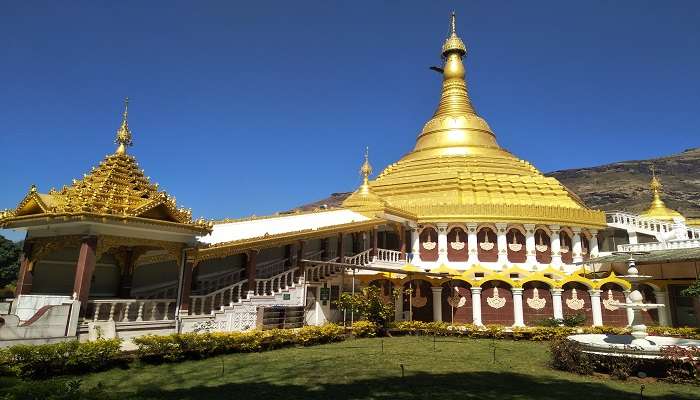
column 658, row 209
column 458, row 172
column 364, row 200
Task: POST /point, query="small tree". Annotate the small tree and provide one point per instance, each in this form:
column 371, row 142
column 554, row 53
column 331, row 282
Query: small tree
column 693, row 290
column 369, row 304
column 9, row 261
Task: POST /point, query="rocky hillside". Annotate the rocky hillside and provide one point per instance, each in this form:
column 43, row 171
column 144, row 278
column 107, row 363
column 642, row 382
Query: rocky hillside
column 619, row 186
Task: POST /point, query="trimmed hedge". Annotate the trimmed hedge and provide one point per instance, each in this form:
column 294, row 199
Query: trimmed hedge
column 188, row 346
column 535, row 333
column 73, row 357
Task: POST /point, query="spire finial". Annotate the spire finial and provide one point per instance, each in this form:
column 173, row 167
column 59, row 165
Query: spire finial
column 453, row 43
column 453, row 24
column 124, row 133
column 655, row 184
column 366, row 169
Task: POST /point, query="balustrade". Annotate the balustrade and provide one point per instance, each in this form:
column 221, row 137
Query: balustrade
column 131, row 310
column 674, row 244
column 206, row 303
column 389, row 256
column 359, row 259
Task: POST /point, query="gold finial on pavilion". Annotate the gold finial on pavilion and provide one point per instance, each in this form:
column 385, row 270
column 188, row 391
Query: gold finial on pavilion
column 124, row 138
column 366, row 169
column 658, row 209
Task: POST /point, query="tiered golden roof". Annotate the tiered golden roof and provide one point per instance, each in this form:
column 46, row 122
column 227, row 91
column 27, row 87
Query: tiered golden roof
column 363, row 199
column 658, row 209
column 458, row 172
column 116, row 188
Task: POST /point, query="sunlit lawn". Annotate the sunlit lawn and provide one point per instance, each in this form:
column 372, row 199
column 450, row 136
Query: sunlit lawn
column 360, row 369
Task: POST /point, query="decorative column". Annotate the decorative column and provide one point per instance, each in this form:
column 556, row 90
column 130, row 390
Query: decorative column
column 476, row 306
column 398, row 307
column 662, row 298
column 25, row 277
column 402, row 241
column 472, row 245
column 629, row 311
column 84, row 270
column 518, row 307
column 593, row 243
column 530, row 250
column 250, row 271
column 595, row 307
column 437, row 303
column 415, row 241
column 632, row 237
column 442, row 243
column 576, row 245
column 502, row 244
column 340, row 248
column 556, row 245
column 557, row 306
column 186, row 290
column 373, row 244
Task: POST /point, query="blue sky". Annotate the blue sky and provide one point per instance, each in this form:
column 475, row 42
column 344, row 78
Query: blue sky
column 241, row 108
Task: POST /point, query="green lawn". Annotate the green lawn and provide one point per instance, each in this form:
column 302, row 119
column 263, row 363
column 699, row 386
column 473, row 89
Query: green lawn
column 359, row 369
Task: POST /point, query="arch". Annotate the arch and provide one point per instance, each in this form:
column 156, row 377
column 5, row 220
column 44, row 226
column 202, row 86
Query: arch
column 517, row 227
column 566, row 247
column 420, row 302
column 457, row 302
column 515, row 240
column 543, row 246
column 651, row 316
column 537, row 302
column 487, row 244
column 544, row 228
column 493, row 310
column 457, row 244
column 613, row 315
column 428, row 244
column 576, row 300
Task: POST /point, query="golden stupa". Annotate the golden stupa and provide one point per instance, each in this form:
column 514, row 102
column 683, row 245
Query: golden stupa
column 458, row 172
column 658, row 209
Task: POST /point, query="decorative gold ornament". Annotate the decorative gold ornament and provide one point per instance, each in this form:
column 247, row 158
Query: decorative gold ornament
column 515, row 246
column 610, row 303
column 486, row 245
column 658, row 209
column 457, row 244
column 419, row 301
column 456, row 300
column 429, row 245
column 496, row 301
column 541, row 247
column 574, row 302
column 536, row 302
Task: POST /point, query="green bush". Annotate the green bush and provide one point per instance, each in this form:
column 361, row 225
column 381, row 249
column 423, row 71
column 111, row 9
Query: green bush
column 55, row 389
column 73, row 357
column 364, row 329
column 177, row 347
column 567, row 355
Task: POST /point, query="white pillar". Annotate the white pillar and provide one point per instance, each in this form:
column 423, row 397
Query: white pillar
column 442, row 243
column 476, row 306
column 576, row 245
column 664, row 312
column 437, row 303
column 530, row 244
column 472, row 244
column 398, row 308
column 415, row 248
column 502, row 242
column 518, row 306
column 595, row 307
column 593, row 244
column 633, row 237
column 629, row 311
column 555, row 245
column 557, row 307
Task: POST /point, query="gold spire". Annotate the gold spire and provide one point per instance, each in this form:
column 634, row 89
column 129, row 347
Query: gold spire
column 364, row 200
column 366, row 169
column 124, row 133
column 455, row 128
column 658, row 209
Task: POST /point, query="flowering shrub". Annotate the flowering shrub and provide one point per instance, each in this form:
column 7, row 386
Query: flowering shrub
column 363, row 329
column 177, row 347
column 41, row 361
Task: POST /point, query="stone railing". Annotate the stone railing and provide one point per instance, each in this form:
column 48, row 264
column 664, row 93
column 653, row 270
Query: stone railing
column 206, row 303
column 653, row 246
column 389, row 256
column 359, row 259
column 277, row 283
column 131, row 310
column 271, row 268
column 208, row 282
column 318, row 272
